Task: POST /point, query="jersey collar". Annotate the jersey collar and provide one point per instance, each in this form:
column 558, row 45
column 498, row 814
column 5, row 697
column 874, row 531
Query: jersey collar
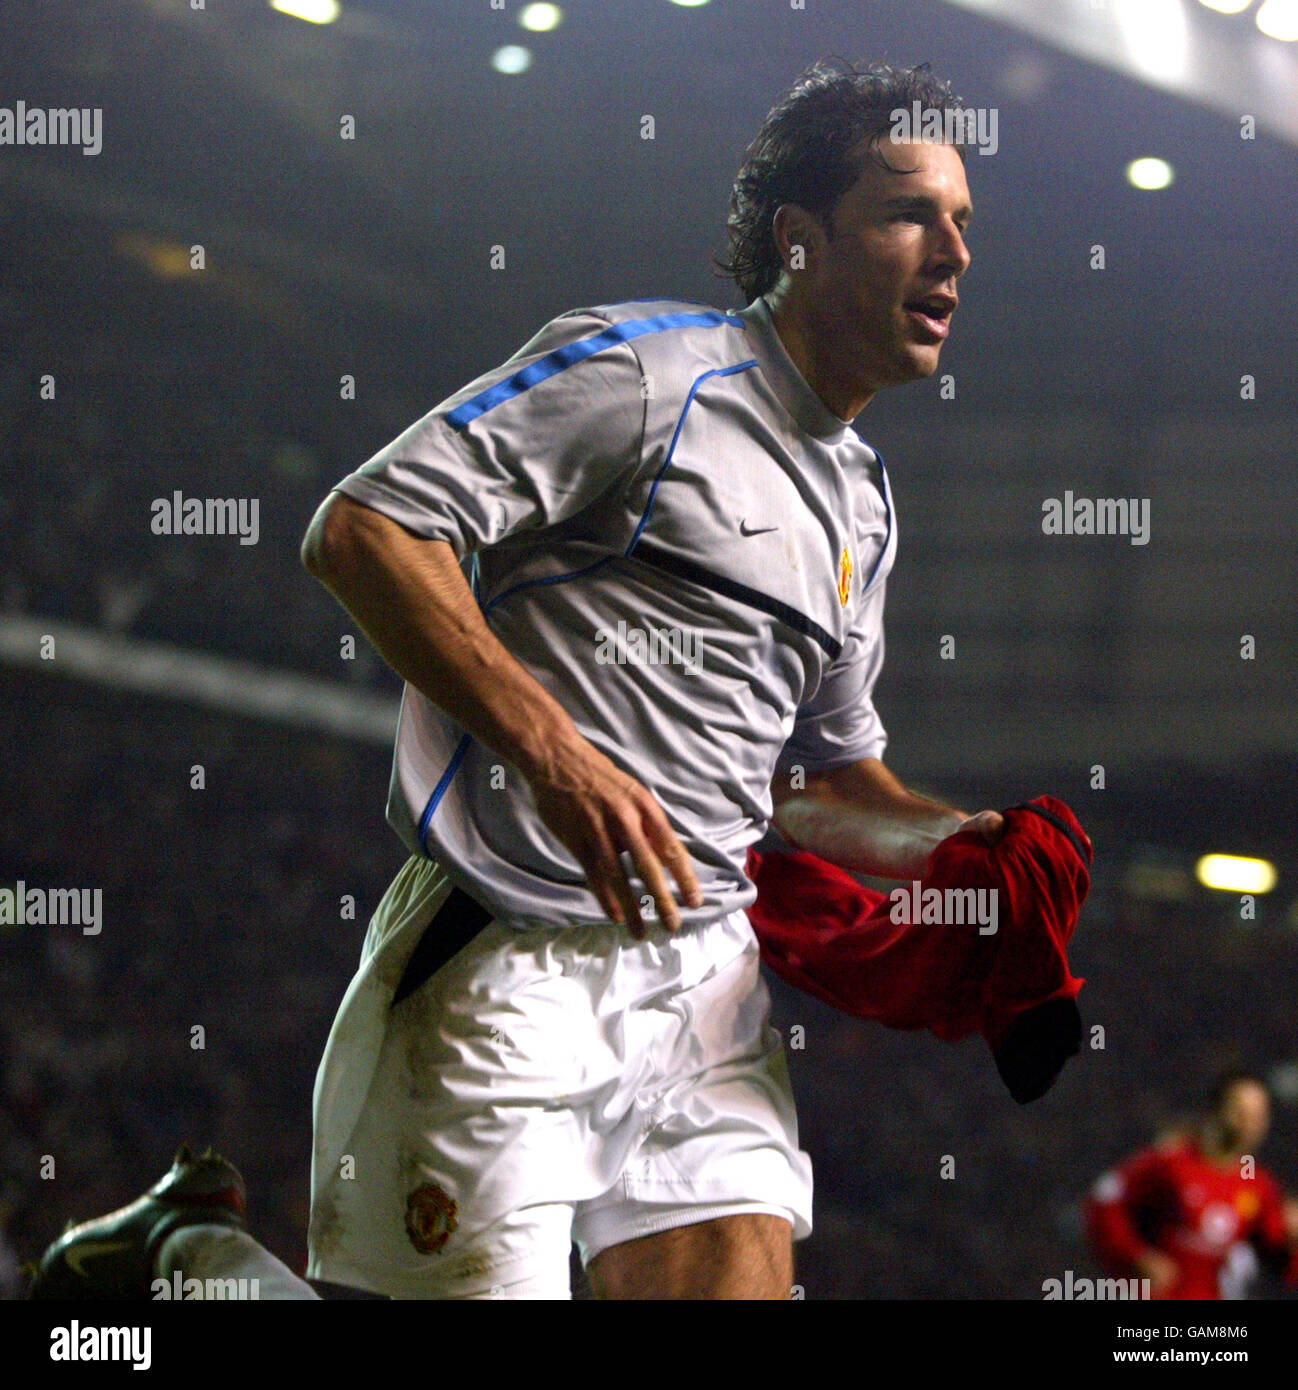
column 786, row 381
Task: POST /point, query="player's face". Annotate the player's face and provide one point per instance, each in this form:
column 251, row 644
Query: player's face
column 898, row 239
column 1245, row 1115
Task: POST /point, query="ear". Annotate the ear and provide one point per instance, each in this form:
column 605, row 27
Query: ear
column 794, row 226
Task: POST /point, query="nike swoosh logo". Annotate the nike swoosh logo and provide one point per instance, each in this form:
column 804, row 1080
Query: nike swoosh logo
column 91, row 1249
column 746, row 530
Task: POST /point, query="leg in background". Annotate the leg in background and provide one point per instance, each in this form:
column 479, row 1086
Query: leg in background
column 228, row 1257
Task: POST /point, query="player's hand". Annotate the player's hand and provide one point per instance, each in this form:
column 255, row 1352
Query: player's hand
column 1161, row 1270
column 989, row 824
column 599, row 813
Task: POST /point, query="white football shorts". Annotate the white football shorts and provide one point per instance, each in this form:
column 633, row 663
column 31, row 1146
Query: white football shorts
column 542, row 1086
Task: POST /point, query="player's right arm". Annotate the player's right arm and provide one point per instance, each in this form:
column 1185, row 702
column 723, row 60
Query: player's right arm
column 523, row 448
column 410, row 597
column 1113, row 1227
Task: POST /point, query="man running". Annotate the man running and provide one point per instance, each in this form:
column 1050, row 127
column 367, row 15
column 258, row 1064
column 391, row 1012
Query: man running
column 634, row 581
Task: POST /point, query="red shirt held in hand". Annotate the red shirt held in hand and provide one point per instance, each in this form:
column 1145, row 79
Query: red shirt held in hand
column 827, row 934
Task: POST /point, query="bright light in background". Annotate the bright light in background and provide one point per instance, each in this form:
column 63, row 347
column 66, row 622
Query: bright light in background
column 512, row 58
column 1149, row 174
column 313, row 11
column 1235, row 875
column 540, row 19
column 1156, row 36
column 1227, row 6
column 1278, row 19
column 689, row 4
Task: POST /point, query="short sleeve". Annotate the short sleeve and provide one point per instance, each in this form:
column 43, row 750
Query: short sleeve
column 524, row 446
column 840, row 725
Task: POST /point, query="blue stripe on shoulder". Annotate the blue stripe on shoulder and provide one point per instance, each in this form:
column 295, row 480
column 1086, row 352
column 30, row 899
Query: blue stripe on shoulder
column 571, row 353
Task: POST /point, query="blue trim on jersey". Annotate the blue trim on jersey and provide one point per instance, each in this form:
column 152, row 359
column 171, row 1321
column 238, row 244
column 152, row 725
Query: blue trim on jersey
column 680, row 424
column 439, row 790
column 549, row 579
column 571, row 353
column 804, row 625
column 653, row 493
column 887, row 503
column 425, row 821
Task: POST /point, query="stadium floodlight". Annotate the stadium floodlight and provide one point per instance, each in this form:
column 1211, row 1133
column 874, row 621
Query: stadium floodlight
column 1156, row 36
column 512, row 58
column 540, row 19
column 1231, row 873
column 313, row 11
column 1278, row 19
column 1226, row 6
column 1173, row 46
column 1148, row 173
column 689, row 4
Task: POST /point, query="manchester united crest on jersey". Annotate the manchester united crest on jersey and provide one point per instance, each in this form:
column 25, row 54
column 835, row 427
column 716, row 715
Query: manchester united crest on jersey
column 431, row 1216
column 844, row 577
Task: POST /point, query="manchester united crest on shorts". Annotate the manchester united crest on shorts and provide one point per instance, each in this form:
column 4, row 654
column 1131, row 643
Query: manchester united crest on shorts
column 844, row 577
column 430, row 1218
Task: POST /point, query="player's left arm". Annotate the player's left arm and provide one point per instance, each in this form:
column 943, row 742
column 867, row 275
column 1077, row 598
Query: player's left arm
column 861, row 817
column 832, row 794
column 1275, row 1232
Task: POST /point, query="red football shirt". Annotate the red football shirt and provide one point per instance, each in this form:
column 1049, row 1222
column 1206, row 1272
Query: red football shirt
column 1181, row 1203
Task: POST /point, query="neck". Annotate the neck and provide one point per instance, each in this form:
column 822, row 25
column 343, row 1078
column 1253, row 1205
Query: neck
column 1216, row 1145
column 813, row 355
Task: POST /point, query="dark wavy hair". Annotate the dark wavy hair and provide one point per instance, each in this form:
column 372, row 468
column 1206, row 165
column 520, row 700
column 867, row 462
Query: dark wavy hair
column 808, row 152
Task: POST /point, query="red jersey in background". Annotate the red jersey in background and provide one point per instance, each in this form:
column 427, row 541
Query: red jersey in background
column 1182, row 1204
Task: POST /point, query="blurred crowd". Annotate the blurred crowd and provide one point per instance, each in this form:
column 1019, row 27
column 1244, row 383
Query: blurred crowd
column 77, row 504
column 222, row 912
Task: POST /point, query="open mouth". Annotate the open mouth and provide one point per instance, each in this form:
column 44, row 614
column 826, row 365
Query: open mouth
column 932, row 315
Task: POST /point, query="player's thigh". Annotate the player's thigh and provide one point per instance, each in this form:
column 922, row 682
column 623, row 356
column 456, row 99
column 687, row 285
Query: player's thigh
column 729, row 1257
column 464, row 1171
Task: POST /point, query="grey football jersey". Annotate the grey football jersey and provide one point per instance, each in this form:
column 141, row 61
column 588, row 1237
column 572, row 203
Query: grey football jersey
column 676, row 537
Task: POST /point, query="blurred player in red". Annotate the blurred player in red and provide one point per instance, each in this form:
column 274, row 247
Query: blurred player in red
column 1178, row 1213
